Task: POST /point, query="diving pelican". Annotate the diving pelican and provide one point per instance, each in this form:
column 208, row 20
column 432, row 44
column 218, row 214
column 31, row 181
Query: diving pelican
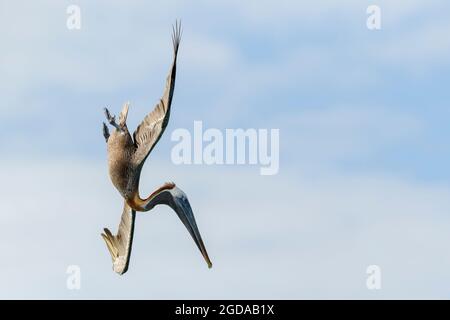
column 126, row 157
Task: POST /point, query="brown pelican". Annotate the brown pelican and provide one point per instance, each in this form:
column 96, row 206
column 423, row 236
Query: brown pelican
column 126, row 157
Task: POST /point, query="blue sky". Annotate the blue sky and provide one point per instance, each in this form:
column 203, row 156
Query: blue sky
column 363, row 118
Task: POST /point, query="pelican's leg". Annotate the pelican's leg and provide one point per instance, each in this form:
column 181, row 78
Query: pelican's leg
column 105, row 132
column 111, row 119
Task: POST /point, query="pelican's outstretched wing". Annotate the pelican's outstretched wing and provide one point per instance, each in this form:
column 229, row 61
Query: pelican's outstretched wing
column 120, row 245
column 152, row 127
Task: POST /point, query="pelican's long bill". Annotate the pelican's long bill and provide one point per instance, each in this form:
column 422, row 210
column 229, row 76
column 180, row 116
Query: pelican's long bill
column 180, row 204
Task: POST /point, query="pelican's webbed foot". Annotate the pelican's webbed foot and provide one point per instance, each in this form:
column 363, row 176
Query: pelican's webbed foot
column 111, row 119
column 105, row 132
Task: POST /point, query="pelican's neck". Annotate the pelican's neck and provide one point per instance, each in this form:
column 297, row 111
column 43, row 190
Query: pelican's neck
column 139, row 204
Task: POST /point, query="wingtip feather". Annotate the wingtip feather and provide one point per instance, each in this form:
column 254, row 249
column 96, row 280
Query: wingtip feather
column 111, row 248
column 176, row 35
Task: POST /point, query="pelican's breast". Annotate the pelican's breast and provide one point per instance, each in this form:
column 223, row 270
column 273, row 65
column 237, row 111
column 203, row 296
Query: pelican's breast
column 121, row 172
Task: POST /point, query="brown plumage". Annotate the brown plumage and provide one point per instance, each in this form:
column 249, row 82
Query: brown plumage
column 126, row 157
column 119, row 246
